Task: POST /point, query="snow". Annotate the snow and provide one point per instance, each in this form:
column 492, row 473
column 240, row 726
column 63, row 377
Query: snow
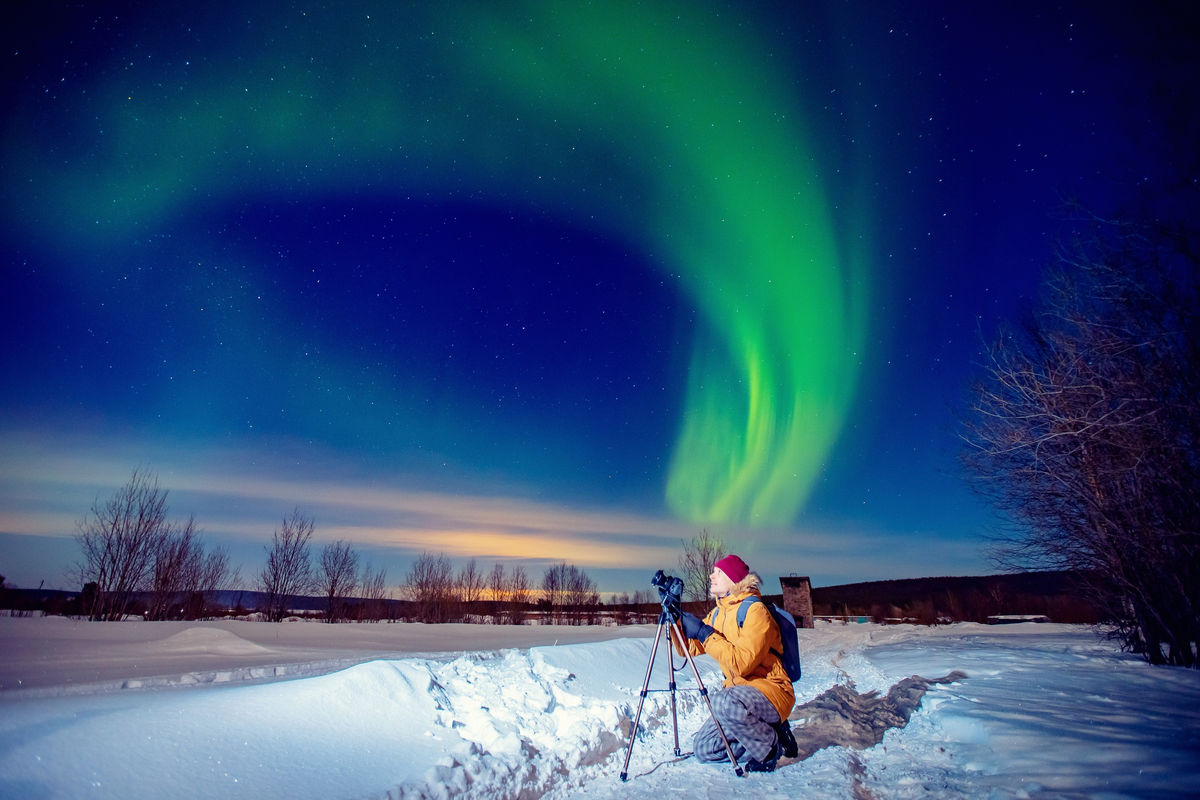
column 304, row 710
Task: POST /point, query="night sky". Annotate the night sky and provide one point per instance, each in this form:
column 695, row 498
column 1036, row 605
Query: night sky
column 533, row 282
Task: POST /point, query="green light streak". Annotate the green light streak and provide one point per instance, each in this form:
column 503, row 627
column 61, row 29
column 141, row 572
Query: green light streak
column 655, row 122
column 737, row 210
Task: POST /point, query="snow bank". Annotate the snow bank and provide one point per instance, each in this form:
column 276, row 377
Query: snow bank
column 56, row 655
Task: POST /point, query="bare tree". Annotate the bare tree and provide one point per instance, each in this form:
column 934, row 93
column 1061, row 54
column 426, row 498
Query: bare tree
column 470, row 585
column 289, row 570
column 339, row 575
column 119, row 538
column 1085, row 432
column 178, row 559
column 621, row 608
column 373, row 592
column 430, row 585
column 185, row 576
column 517, row 593
column 581, row 596
column 554, row 591
column 216, row 575
column 568, row 593
column 696, row 564
column 497, row 582
column 646, row 606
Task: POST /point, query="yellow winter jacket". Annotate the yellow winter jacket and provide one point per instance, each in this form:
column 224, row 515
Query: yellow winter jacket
column 745, row 653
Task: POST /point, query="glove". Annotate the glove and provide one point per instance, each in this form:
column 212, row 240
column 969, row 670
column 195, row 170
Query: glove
column 693, row 628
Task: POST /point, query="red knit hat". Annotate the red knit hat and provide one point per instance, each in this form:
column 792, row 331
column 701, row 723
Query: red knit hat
column 734, row 568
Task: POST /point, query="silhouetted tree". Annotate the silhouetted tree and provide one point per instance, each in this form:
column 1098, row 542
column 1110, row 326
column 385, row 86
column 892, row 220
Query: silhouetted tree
column 554, row 591
column 119, row 539
column 338, row 577
column 497, row 582
column 289, row 570
column 373, row 591
column 1085, row 430
column 430, row 585
column 646, row 605
column 216, row 575
column 470, row 585
column 568, row 594
column 581, row 596
column 696, row 564
column 517, row 593
column 178, row 558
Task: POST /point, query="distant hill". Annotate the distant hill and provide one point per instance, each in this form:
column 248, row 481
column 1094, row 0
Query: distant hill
column 1056, row 595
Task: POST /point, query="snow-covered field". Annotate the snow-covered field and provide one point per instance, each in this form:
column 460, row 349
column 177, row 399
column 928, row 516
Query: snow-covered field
column 253, row 710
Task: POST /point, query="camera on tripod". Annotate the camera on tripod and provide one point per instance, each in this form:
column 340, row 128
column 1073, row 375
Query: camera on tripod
column 670, row 590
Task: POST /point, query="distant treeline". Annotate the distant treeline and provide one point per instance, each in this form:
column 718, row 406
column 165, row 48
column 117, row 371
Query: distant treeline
column 1058, row 595
column 235, row 603
column 232, row 602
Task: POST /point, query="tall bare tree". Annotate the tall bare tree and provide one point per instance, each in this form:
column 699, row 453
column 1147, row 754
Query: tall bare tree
column 1085, row 430
column 119, row 538
column 338, row 577
column 496, row 583
column 373, row 592
column 178, row 560
column 470, row 585
column 569, row 593
column 517, row 593
column 216, row 575
column 430, row 585
column 186, row 574
column 696, row 563
column 581, row 596
column 289, row 569
column 554, row 591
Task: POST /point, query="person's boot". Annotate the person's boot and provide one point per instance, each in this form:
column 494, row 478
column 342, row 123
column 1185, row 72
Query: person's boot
column 787, row 742
column 768, row 763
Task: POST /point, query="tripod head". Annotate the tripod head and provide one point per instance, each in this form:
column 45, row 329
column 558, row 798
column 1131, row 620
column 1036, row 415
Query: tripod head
column 670, row 592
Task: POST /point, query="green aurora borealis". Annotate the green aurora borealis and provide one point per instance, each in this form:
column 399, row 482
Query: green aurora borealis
column 639, row 121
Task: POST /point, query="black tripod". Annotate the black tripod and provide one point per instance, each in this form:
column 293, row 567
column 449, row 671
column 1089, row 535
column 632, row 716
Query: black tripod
column 668, row 620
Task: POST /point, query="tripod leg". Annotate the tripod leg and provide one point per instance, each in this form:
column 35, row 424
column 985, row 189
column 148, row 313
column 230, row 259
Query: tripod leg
column 675, row 630
column 642, row 700
column 671, row 686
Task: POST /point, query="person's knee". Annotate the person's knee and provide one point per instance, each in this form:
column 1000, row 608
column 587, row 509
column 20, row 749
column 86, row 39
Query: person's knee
column 725, row 705
column 706, row 746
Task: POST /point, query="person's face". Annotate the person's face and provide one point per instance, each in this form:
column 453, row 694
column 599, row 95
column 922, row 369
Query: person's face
column 719, row 584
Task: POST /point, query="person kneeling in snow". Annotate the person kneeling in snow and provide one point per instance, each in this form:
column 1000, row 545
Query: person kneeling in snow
column 757, row 697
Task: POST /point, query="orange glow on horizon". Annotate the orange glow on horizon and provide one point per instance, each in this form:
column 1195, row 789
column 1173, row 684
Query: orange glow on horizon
column 510, row 545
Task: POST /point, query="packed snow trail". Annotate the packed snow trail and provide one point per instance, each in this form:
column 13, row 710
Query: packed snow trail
column 840, row 716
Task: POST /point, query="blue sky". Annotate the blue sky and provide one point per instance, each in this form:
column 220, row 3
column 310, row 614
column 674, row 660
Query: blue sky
column 552, row 283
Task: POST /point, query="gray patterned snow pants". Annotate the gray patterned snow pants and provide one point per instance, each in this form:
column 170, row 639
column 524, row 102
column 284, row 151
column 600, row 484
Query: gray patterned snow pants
column 746, row 716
